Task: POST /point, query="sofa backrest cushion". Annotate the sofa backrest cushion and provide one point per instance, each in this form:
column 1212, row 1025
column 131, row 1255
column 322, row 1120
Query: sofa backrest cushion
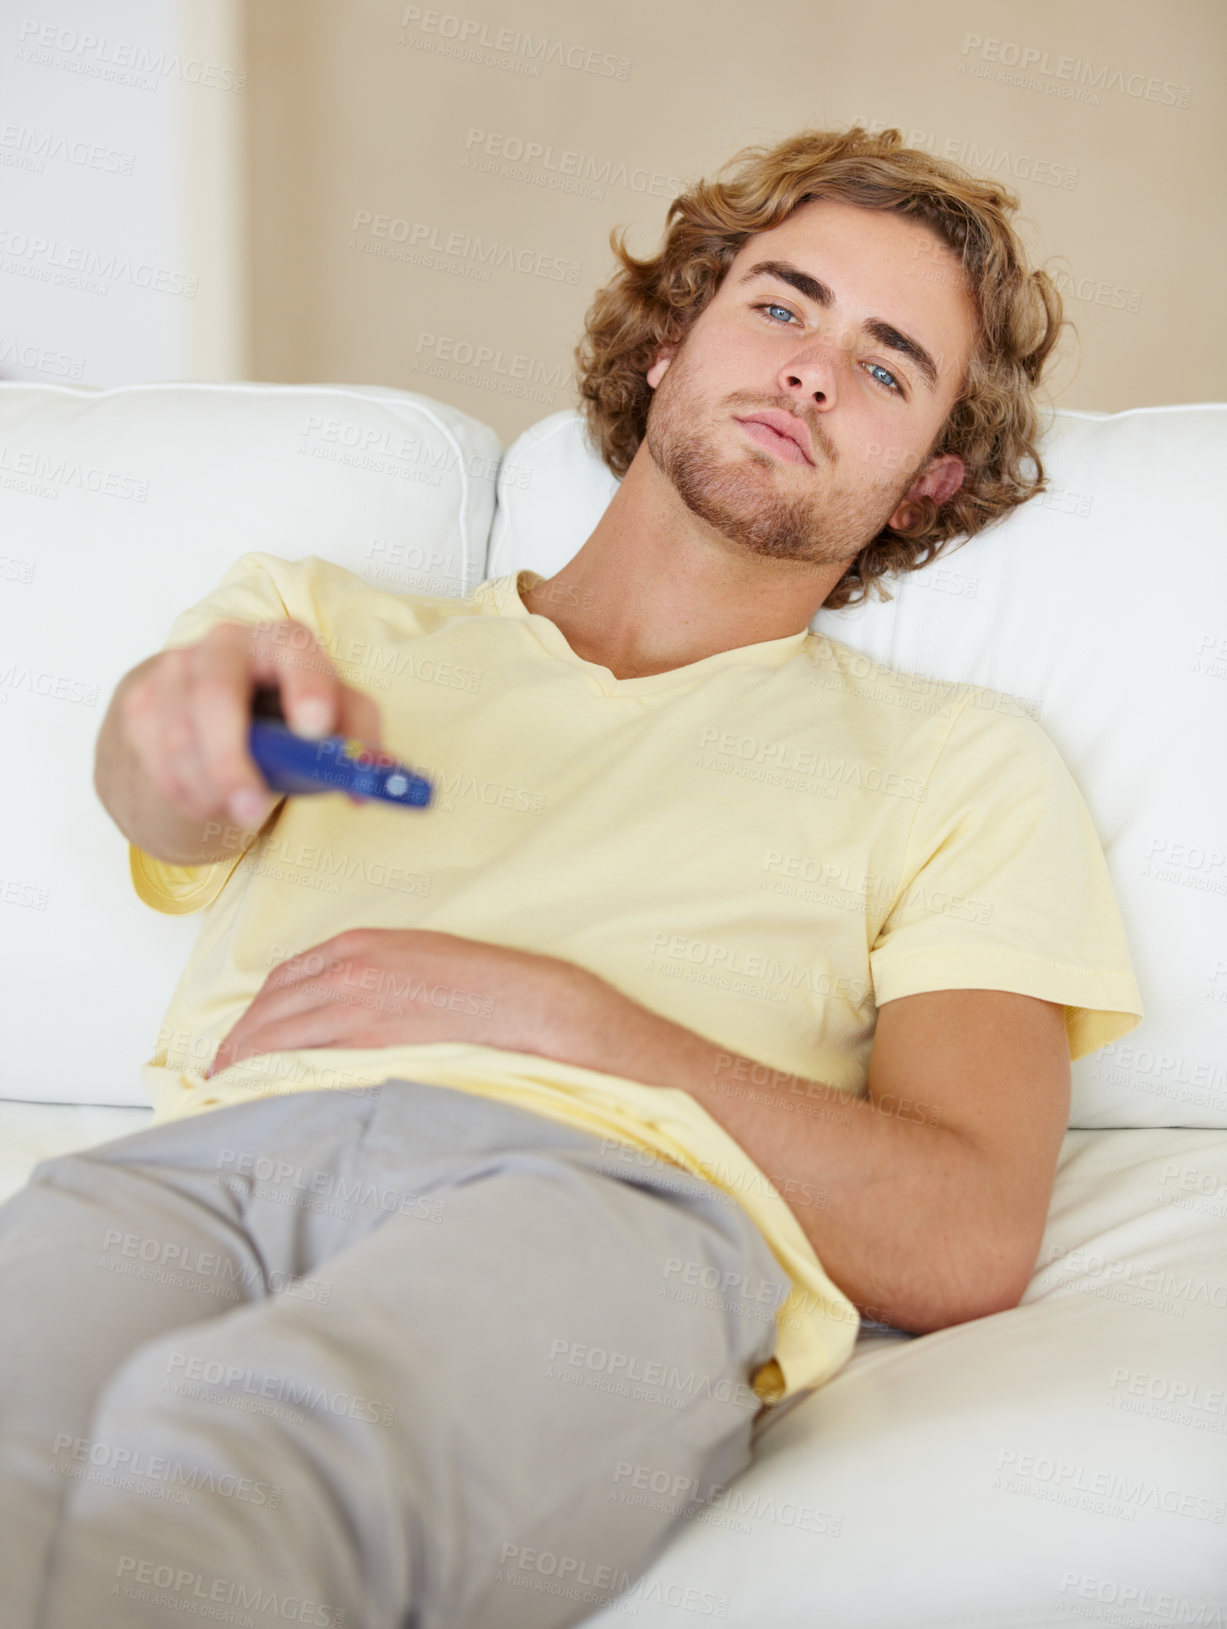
column 1101, row 608
column 121, row 508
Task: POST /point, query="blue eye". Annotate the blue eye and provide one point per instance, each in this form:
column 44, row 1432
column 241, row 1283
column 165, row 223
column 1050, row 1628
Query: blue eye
column 889, row 375
column 895, row 387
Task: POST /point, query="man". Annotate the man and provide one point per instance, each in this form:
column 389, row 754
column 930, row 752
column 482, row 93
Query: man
column 718, row 1000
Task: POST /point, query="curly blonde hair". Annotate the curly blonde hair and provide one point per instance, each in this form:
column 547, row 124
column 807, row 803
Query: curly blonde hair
column 993, row 426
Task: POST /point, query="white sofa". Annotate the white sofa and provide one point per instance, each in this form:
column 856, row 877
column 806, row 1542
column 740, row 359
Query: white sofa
column 1065, row 1460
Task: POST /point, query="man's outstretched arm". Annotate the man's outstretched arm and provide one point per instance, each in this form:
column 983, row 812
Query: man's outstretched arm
column 926, row 1200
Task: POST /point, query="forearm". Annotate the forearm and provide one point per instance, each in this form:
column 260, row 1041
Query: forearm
column 139, row 809
column 897, row 1206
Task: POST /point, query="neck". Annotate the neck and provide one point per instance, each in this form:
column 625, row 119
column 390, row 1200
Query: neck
column 654, row 588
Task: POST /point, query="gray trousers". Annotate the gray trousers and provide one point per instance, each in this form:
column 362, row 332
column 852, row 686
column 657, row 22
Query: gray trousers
column 392, row 1358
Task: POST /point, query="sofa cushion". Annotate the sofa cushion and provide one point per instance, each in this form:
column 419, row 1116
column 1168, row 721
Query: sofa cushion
column 120, row 508
column 1058, row 1463
column 1096, row 607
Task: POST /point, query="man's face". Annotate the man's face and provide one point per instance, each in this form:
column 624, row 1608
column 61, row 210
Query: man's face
column 865, row 407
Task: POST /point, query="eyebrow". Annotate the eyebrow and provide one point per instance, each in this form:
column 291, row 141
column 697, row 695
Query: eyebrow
column 813, row 289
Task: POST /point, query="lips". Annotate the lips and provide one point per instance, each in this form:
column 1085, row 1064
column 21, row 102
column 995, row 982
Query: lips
column 784, row 424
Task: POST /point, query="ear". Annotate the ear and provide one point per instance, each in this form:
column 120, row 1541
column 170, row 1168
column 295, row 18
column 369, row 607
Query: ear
column 941, row 480
column 656, row 372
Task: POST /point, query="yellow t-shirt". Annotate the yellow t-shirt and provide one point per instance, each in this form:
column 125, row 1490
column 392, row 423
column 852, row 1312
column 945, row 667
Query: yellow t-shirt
column 762, row 846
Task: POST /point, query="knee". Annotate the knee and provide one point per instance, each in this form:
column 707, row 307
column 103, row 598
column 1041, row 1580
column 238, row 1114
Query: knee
column 242, row 1362
column 161, row 1371
column 52, row 1197
column 82, row 1173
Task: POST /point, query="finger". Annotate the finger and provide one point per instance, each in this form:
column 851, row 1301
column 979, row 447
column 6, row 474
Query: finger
column 235, row 1049
column 267, row 1006
column 242, row 1042
column 159, row 727
column 318, row 1026
column 221, row 1057
column 288, row 655
column 310, row 965
column 359, row 717
column 219, row 705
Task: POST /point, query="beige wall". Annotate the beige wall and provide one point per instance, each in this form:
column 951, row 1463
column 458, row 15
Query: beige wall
column 372, row 200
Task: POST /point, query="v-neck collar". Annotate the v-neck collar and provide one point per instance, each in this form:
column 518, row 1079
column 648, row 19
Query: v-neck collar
column 503, row 596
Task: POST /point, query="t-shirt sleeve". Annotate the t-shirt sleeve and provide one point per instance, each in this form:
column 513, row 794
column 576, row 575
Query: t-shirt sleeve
column 177, row 890
column 255, row 589
column 1004, row 884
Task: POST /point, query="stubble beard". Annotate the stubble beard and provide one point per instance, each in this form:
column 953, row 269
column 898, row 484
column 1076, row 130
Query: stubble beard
column 748, row 497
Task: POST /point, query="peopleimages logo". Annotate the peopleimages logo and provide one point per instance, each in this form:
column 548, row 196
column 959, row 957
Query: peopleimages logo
column 989, row 160
column 41, row 359
column 1069, row 77
column 47, row 260
column 30, row 149
column 564, row 165
column 375, row 232
column 471, row 38
column 100, row 57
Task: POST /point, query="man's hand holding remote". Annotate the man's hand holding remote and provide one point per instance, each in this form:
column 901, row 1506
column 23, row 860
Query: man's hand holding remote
column 172, row 759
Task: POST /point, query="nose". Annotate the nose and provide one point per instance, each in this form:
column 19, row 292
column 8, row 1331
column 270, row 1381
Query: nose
column 812, row 374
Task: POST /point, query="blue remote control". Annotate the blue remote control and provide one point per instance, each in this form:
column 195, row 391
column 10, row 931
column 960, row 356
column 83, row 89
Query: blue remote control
column 297, row 765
